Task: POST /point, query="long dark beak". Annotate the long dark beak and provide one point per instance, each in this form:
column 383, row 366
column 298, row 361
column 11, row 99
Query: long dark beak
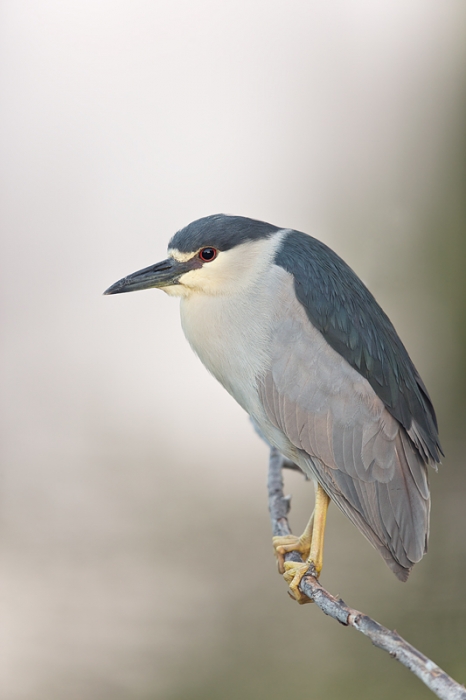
column 163, row 274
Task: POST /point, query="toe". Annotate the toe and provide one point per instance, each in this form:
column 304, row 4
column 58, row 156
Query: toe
column 294, row 572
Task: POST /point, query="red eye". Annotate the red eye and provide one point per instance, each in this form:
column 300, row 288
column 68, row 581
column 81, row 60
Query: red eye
column 207, row 254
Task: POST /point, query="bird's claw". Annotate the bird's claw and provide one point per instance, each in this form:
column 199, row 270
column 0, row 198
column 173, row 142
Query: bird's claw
column 293, row 574
column 290, row 543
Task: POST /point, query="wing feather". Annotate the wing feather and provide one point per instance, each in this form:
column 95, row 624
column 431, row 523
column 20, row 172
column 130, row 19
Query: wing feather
column 347, row 439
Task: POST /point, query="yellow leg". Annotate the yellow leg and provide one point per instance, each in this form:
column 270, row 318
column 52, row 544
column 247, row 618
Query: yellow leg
column 293, row 571
column 316, row 555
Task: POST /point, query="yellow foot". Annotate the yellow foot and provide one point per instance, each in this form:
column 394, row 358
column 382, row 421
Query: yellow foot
column 290, row 543
column 294, row 573
column 310, row 545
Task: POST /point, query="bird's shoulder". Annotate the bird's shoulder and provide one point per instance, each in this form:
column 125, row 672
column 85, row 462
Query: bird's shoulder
column 347, row 315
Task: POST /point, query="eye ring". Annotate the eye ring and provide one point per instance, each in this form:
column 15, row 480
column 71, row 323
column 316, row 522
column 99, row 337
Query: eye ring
column 208, row 254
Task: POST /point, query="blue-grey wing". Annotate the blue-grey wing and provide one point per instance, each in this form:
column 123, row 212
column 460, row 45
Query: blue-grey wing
column 346, row 437
column 339, row 305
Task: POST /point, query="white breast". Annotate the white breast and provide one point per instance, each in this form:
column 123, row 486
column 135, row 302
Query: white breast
column 230, row 336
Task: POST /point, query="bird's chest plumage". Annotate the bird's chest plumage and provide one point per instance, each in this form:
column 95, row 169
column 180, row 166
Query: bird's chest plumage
column 234, row 338
column 231, row 338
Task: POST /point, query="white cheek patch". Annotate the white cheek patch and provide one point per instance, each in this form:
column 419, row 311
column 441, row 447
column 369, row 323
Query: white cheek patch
column 234, row 269
column 197, row 279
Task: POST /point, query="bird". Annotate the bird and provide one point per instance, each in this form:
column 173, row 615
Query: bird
column 298, row 340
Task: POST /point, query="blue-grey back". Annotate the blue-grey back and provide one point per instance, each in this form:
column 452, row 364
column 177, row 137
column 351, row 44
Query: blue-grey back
column 341, row 307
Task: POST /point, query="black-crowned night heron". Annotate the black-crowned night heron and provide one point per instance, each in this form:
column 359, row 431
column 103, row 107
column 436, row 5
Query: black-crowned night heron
column 298, row 340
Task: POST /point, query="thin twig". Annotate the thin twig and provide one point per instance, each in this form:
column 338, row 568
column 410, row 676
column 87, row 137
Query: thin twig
column 437, row 680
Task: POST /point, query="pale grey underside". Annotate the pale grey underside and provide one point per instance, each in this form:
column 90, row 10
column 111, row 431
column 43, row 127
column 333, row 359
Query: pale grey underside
column 345, row 436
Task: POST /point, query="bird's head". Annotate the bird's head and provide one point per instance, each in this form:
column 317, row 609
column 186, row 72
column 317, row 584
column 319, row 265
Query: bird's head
column 218, row 254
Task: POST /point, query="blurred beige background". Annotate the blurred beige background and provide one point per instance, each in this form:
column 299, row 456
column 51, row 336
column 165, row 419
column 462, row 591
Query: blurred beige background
column 136, row 560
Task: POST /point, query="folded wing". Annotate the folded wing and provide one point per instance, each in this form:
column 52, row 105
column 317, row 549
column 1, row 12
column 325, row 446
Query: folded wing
column 349, row 441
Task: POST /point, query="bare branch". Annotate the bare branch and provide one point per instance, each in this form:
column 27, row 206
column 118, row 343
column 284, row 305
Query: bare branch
column 437, row 680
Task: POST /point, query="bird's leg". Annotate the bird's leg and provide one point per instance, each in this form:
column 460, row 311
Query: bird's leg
column 294, row 571
column 292, row 543
column 316, row 555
